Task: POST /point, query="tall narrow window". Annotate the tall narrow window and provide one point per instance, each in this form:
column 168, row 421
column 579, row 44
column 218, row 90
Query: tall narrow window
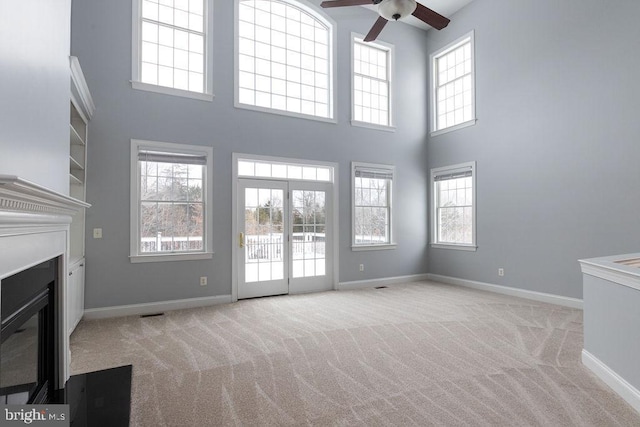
column 372, row 206
column 284, row 58
column 453, row 81
column 371, row 83
column 171, row 47
column 453, row 217
column 170, row 194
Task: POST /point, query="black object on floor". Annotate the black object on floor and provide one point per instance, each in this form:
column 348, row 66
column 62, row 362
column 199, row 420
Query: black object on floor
column 101, row 398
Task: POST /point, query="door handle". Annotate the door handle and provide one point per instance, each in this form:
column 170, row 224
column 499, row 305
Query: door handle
column 241, row 240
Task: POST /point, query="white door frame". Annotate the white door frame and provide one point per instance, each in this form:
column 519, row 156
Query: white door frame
column 234, row 212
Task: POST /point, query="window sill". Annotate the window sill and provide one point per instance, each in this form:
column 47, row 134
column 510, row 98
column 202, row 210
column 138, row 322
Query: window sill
column 171, row 91
column 373, row 126
column 286, row 113
column 454, row 246
column 386, row 246
column 454, row 128
column 170, row 257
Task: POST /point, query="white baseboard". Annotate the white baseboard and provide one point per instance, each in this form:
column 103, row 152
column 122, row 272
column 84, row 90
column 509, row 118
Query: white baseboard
column 385, row 281
column 153, row 307
column 618, row 384
column 522, row 293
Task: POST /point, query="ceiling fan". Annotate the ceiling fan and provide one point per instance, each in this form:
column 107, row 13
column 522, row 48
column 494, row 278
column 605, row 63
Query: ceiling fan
column 394, row 10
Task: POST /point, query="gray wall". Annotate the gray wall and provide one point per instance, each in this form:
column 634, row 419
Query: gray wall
column 611, row 323
column 556, row 142
column 101, row 38
column 34, row 91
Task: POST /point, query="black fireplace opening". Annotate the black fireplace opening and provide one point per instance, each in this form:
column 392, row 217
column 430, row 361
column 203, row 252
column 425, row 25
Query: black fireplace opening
column 28, row 349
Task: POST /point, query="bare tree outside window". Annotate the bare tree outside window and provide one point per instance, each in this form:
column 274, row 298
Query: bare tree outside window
column 372, row 206
column 453, row 214
column 171, row 207
column 455, row 211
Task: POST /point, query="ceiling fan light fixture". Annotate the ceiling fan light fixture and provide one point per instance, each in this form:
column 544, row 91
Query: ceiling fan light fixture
column 392, row 10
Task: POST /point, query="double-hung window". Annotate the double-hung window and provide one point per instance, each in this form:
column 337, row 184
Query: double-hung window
column 170, row 201
column 453, row 223
column 171, row 47
column 452, row 86
column 284, row 59
column 372, row 206
column 372, row 71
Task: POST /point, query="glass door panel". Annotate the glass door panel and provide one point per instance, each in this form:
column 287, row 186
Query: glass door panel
column 310, row 237
column 309, row 233
column 262, row 238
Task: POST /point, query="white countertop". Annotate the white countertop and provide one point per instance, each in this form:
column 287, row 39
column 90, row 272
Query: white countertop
column 610, row 268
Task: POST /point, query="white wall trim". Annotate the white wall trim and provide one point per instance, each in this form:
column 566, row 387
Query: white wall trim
column 153, row 307
column 618, row 384
column 384, row 281
column 506, row 290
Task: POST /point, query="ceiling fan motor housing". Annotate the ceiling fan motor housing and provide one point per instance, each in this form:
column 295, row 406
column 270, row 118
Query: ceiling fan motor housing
column 396, row 9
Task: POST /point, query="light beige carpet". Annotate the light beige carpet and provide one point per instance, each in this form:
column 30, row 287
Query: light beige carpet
column 415, row 354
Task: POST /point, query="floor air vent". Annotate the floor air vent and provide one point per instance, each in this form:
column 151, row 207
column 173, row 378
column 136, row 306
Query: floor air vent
column 152, row 315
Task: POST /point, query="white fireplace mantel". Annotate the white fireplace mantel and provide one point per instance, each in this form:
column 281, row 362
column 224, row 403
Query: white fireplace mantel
column 34, row 227
column 18, row 195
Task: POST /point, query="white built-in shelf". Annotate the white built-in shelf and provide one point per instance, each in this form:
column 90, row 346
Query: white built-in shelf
column 77, row 150
column 75, row 138
column 74, row 164
column 81, row 109
column 74, row 180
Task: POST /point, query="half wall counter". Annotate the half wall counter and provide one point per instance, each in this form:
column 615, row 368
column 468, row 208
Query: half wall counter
column 611, row 292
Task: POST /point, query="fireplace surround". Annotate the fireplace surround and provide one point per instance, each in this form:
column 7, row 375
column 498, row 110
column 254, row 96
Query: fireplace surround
column 34, row 229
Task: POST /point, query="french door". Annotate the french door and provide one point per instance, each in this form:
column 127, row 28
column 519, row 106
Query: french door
column 283, row 237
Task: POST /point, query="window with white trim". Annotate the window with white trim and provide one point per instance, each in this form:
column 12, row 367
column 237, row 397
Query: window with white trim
column 170, row 196
column 372, row 186
column 284, row 58
column 453, row 81
column 171, row 50
column 453, row 219
column 371, row 98
column 288, row 171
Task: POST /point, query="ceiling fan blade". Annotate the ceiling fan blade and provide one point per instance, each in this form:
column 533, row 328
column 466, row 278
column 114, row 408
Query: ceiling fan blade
column 430, row 17
column 339, row 3
column 375, row 31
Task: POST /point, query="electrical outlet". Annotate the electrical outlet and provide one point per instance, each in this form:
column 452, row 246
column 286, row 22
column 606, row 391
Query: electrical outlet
column 97, row 233
column 203, row 281
column 361, row 267
column 501, row 272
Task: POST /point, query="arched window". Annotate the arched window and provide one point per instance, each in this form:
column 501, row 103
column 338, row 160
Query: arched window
column 284, row 58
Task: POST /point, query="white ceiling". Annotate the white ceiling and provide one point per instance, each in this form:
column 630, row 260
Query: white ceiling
column 443, row 7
